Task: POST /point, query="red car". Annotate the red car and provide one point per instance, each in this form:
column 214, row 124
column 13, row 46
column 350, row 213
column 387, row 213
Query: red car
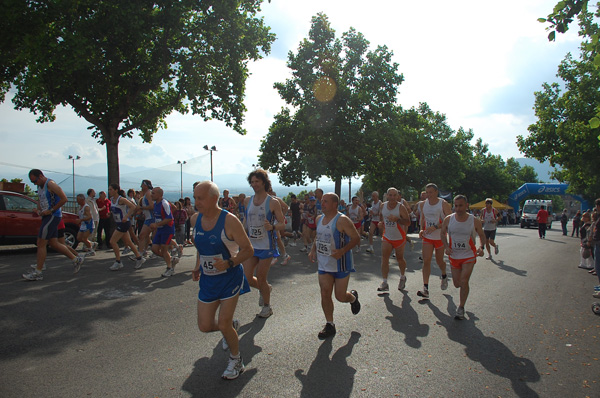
column 20, row 223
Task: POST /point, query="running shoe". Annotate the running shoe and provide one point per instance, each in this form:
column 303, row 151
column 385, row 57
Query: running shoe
column 402, row 283
column 328, row 331
column 444, row 283
column 293, row 244
column 235, row 367
column 489, row 257
column 168, row 272
column 266, row 312
column 152, row 256
column 261, row 300
column 355, row 306
column 77, row 261
column 139, row 262
column 370, row 249
column 274, row 261
column 127, row 250
column 423, row 293
column 116, row 266
column 34, row 266
column 383, row 288
column 94, row 245
column 236, row 326
column 304, row 249
column 496, row 249
column 90, row 253
column 460, row 313
column 34, row 275
column 286, row 259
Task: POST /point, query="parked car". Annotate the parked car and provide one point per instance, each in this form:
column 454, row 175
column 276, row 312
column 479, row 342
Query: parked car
column 20, row 223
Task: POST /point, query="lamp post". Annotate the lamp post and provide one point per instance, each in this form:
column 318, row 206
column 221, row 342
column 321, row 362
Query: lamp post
column 74, row 158
column 180, row 163
column 211, row 149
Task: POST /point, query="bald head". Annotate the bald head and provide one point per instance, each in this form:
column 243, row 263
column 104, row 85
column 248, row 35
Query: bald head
column 157, row 193
column 206, row 196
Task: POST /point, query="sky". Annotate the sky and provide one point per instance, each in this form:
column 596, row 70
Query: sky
column 477, row 62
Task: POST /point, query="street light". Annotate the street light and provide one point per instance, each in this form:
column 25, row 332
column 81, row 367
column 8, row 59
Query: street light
column 74, row 158
column 211, row 149
column 180, row 163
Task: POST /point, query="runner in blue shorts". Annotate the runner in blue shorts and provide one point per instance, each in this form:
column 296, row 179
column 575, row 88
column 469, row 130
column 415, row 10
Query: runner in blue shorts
column 164, row 229
column 332, row 248
column 222, row 246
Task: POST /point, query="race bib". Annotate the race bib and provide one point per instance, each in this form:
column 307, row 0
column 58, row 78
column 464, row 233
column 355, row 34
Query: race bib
column 257, row 231
column 389, row 223
column 206, row 262
column 460, row 246
column 431, row 224
column 323, row 247
column 117, row 217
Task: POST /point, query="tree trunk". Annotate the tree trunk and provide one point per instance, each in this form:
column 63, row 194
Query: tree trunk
column 338, row 187
column 111, row 140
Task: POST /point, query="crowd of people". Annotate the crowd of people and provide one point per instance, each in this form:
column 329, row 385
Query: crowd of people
column 237, row 241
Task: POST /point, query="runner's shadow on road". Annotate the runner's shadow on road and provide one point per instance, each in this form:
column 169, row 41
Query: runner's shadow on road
column 493, row 355
column 205, row 380
column 508, row 268
column 329, row 377
column 405, row 320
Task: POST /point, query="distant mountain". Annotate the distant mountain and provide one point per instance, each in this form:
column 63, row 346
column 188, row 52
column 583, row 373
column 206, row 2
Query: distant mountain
column 543, row 170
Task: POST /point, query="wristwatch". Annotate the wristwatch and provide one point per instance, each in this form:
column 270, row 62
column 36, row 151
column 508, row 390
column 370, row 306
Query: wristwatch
column 230, row 262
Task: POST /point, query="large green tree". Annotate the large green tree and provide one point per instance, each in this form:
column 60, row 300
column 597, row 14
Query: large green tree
column 124, row 66
column 563, row 134
column 338, row 94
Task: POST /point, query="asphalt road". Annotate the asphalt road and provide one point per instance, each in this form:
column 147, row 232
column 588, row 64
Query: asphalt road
column 529, row 331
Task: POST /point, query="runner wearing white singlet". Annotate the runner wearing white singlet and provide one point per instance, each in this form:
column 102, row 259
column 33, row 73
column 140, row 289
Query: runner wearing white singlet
column 433, row 211
column 356, row 214
column 375, row 213
column 457, row 236
column 490, row 218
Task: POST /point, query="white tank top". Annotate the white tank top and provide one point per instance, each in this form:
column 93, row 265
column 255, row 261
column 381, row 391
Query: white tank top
column 353, row 214
column 392, row 228
column 376, row 209
column 488, row 217
column 460, row 237
column 434, row 215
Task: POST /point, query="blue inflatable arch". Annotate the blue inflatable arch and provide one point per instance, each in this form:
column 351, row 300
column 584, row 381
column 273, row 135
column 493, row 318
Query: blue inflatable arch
column 542, row 189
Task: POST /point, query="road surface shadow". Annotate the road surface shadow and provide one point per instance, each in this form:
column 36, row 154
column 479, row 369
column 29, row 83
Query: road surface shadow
column 493, row 355
column 508, row 268
column 329, row 377
column 405, row 320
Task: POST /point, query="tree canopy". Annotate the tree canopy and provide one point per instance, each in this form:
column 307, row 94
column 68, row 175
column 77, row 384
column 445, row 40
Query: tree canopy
column 340, row 93
column 124, row 66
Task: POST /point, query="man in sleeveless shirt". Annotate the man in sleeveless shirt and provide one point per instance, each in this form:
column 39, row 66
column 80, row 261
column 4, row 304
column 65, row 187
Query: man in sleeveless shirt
column 262, row 212
column 332, row 249
column 457, row 236
column 433, row 211
column 375, row 213
column 51, row 198
column 222, row 245
column 490, row 218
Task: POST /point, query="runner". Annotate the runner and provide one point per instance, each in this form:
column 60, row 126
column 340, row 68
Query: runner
column 375, row 213
column 132, row 228
column 281, row 235
column 86, row 224
column 542, row 219
column 222, row 246
column 164, row 229
column 457, row 235
column 433, row 211
column 50, row 199
column 309, row 229
column 336, row 236
column 356, row 214
column 490, row 218
column 261, row 214
column 122, row 210
column 147, row 207
column 394, row 217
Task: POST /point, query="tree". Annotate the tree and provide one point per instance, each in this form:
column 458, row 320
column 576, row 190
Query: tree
column 339, row 93
column 124, row 66
column 562, row 134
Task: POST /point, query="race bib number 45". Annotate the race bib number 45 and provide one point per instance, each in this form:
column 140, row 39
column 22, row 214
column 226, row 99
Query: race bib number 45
column 206, row 262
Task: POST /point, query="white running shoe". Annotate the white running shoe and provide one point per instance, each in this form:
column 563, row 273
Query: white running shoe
column 370, row 249
column 34, row 275
column 286, row 259
column 138, row 263
column 266, row 312
column 235, row 367
column 304, row 249
column 116, row 266
column 274, row 260
column 383, row 288
column 77, row 261
column 90, row 253
column 168, row 272
column 460, row 313
column 34, row 266
column 236, row 326
column 402, row 283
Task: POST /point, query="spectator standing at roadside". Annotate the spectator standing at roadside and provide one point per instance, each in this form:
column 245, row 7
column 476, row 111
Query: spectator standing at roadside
column 103, row 204
column 576, row 223
column 187, row 206
column 542, row 219
column 564, row 219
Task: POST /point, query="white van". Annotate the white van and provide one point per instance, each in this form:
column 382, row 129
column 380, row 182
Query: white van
column 530, row 210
